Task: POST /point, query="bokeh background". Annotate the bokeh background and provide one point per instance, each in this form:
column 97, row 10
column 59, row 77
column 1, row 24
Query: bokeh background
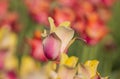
column 106, row 51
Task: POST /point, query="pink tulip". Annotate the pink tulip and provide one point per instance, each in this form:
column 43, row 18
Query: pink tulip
column 51, row 46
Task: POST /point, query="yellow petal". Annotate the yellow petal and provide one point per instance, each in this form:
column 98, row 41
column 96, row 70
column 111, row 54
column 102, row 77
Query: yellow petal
column 71, row 62
column 65, row 24
column 92, row 67
column 52, row 25
column 63, row 59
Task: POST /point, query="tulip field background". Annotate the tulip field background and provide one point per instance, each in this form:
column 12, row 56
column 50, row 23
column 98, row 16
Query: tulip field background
column 107, row 51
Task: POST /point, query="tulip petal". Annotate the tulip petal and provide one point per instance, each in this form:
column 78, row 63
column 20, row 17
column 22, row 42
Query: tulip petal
column 63, row 59
column 51, row 46
column 82, row 72
column 65, row 34
column 66, row 24
column 92, row 67
column 52, row 25
column 66, row 73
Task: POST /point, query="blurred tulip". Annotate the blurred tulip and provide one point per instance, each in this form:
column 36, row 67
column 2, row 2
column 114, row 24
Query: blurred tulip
column 79, row 26
column 106, row 13
column 28, row 66
column 39, row 10
column 11, row 75
column 8, row 40
column 37, row 49
column 63, row 14
column 95, row 33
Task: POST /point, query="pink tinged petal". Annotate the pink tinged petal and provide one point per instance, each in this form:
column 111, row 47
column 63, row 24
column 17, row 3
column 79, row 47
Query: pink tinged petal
column 51, row 46
column 66, row 72
column 83, row 72
column 65, row 34
column 37, row 50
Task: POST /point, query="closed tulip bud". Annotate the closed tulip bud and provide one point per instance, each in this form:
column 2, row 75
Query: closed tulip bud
column 51, row 46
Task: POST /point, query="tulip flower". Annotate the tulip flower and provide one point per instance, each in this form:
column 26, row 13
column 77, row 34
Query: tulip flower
column 67, row 67
column 88, row 70
column 52, row 45
column 55, row 43
column 58, row 40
